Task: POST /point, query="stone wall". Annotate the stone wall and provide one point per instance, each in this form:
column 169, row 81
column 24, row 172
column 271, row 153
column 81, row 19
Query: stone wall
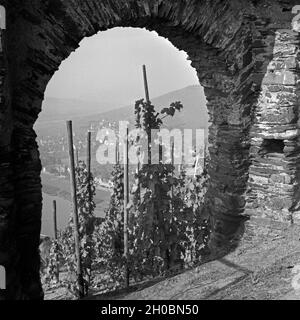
column 274, row 174
column 246, row 57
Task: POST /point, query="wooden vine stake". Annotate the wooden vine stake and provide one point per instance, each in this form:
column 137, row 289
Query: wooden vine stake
column 148, row 101
column 172, row 187
column 55, row 236
column 77, row 157
column 88, row 164
column 75, row 211
column 117, row 153
column 126, row 201
column 146, row 84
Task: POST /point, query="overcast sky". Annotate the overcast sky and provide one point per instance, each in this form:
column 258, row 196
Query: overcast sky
column 108, row 67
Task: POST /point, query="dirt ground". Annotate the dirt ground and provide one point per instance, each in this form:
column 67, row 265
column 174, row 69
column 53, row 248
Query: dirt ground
column 263, row 267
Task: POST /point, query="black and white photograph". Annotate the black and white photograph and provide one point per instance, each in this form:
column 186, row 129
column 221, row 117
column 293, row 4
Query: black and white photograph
column 149, row 151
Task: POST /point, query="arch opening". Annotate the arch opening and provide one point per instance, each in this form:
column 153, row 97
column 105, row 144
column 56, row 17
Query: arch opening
column 218, row 84
column 97, row 86
column 227, row 186
column 241, row 63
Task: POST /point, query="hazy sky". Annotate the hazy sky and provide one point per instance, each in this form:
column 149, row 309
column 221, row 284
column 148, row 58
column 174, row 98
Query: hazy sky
column 108, row 67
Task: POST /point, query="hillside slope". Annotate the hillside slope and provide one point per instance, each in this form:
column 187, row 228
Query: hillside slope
column 194, row 114
column 52, row 120
column 62, row 109
column 263, row 267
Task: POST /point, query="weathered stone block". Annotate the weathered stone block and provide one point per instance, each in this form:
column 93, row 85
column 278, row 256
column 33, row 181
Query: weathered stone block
column 280, row 78
column 277, row 178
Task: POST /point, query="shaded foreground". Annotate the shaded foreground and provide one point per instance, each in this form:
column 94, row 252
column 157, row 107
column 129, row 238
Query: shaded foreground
column 262, row 267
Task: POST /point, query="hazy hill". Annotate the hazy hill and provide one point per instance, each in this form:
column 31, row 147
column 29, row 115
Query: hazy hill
column 194, row 114
column 56, row 111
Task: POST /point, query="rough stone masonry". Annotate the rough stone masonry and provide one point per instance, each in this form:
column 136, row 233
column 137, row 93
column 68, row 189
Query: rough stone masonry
column 246, row 54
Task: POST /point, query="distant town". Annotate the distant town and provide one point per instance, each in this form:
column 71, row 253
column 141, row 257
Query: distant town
column 55, row 160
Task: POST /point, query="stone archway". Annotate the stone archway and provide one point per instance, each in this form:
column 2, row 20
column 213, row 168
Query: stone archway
column 246, row 58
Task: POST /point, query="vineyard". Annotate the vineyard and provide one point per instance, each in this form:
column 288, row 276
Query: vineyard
column 155, row 226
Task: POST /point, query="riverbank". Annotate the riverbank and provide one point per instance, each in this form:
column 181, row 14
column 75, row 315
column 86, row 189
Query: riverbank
column 60, row 187
column 56, row 188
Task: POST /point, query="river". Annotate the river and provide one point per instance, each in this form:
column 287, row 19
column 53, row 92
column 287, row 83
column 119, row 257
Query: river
column 55, row 188
column 64, row 208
